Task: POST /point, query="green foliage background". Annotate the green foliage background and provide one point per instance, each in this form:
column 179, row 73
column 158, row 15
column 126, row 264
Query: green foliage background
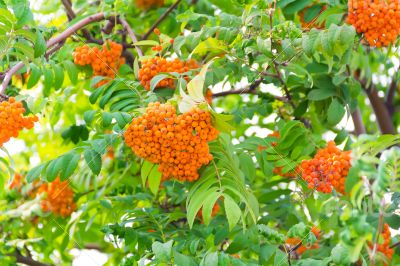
column 321, row 78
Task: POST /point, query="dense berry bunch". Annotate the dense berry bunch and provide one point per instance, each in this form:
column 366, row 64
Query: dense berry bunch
column 294, row 241
column 16, row 182
column 214, row 211
column 59, row 198
column 156, row 65
column 147, row 4
column 12, row 120
column 379, row 20
column 328, row 169
column 105, row 61
column 308, row 24
column 177, row 142
column 384, row 243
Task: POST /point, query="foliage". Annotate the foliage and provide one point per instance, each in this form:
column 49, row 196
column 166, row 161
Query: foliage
column 299, row 164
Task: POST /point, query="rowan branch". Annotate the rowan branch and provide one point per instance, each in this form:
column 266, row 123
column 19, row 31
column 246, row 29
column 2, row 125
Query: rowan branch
column 52, row 42
column 160, row 19
column 131, row 34
column 390, row 97
column 26, row 259
column 378, row 105
column 359, row 127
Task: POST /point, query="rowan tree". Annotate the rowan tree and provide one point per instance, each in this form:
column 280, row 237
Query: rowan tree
column 200, row 132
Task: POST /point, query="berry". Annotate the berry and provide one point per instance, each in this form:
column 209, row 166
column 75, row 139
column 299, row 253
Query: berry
column 209, row 96
column 178, row 143
column 378, row 20
column 328, row 169
column 12, row 120
column 147, row 4
column 156, row 65
column 59, row 198
column 383, row 245
column 105, row 61
column 294, row 241
column 214, row 211
column 16, row 182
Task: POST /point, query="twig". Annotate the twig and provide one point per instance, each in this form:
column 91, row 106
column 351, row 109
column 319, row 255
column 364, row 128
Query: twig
column 53, row 41
column 71, row 15
column 26, row 260
column 395, row 245
column 378, row 232
column 359, row 127
column 160, row 19
column 390, row 97
column 132, row 35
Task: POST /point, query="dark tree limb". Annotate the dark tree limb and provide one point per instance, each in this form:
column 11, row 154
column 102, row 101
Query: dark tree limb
column 381, row 112
column 52, row 42
column 359, row 127
column 390, row 97
column 27, row 260
column 131, row 34
column 160, row 19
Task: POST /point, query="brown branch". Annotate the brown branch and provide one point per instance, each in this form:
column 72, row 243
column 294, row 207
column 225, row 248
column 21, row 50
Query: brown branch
column 26, row 260
column 131, row 34
column 160, row 19
column 381, row 112
column 71, row 15
column 359, row 127
column 395, row 245
column 50, row 43
column 378, row 232
column 390, row 97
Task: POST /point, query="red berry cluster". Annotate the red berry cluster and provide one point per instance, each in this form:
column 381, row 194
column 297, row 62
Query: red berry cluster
column 59, row 198
column 16, row 182
column 152, row 67
column 378, row 20
column 384, row 244
column 12, row 119
column 179, row 143
column 328, row 169
column 105, row 61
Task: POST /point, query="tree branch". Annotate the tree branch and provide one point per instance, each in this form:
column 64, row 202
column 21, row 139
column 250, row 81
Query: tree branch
column 50, row 43
column 131, row 34
column 390, row 97
column 381, row 112
column 160, row 19
column 26, row 260
column 359, row 127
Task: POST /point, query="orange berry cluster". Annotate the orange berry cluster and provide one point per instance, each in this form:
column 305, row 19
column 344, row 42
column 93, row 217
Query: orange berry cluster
column 105, row 61
column 177, row 142
column 12, row 120
column 379, row 20
column 384, row 247
column 16, row 182
column 147, row 4
column 328, row 169
column 156, row 65
column 294, row 241
column 209, row 96
column 311, row 24
column 214, row 211
column 59, row 198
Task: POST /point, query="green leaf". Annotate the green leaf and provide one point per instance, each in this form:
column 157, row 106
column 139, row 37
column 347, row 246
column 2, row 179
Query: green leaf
column 183, row 260
column 320, row 94
column 232, row 210
column 162, row 251
column 145, row 171
column 34, row 76
column 208, row 206
column 156, row 79
column 146, row 43
column 93, row 160
column 336, row 112
column 72, row 71
column 88, row 116
column 40, row 45
column 107, row 119
column 70, row 163
column 154, row 180
column 34, row 173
